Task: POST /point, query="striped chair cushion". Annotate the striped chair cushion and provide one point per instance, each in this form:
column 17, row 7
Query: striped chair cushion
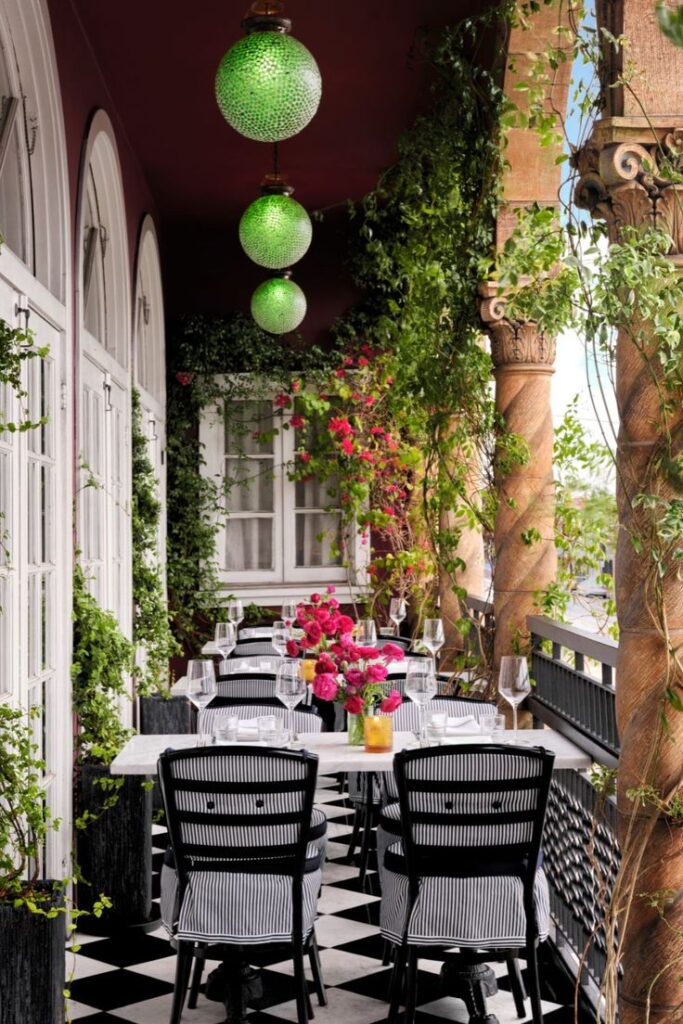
column 253, row 647
column 244, row 909
column 246, row 686
column 483, row 911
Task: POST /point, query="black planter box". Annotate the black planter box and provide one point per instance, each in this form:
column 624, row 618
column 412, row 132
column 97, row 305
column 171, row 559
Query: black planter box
column 114, row 853
column 159, row 715
column 32, row 965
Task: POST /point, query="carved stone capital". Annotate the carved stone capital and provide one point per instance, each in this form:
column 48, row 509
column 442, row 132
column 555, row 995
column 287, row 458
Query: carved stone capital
column 515, row 342
column 629, row 184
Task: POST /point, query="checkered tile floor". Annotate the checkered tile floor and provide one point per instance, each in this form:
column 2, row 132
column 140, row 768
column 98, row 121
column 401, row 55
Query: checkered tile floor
column 130, row 979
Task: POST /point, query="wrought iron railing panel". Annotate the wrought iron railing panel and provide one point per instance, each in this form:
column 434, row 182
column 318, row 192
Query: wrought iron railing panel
column 581, row 860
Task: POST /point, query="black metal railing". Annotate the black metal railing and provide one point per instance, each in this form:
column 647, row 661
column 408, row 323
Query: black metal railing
column 574, row 693
column 567, row 696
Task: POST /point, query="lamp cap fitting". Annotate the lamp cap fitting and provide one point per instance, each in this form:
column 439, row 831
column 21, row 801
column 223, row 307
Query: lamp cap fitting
column 266, row 16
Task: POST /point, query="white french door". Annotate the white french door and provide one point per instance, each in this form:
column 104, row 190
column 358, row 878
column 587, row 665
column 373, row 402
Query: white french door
column 35, row 557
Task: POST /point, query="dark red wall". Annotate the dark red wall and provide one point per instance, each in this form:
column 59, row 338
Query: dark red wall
column 84, row 90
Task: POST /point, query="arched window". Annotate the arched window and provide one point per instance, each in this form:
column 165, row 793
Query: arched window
column 35, row 466
column 103, row 429
column 149, row 348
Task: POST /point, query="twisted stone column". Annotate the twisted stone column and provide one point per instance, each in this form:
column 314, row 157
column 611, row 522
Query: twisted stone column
column 620, row 184
column 524, row 534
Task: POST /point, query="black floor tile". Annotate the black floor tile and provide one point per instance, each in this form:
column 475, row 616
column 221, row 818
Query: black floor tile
column 371, row 945
column 135, row 948
column 113, row 989
column 367, row 913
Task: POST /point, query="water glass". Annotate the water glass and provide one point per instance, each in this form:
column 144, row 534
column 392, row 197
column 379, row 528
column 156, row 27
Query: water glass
column 201, row 686
column 270, row 730
column 235, row 612
column 225, row 730
column 397, row 612
column 433, row 637
column 496, row 725
column 282, row 633
column 421, row 686
column 289, row 612
column 225, row 638
column 366, row 632
column 290, row 688
column 513, row 684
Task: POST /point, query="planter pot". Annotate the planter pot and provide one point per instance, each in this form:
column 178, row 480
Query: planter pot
column 32, row 965
column 114, row 852
column 159, row 715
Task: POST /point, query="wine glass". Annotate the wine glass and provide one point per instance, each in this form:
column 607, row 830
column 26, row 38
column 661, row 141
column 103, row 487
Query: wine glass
column 421, row 687
column 235, row 612
column 513, row 684
column 433, row 637
column 225, row 638
column 289, row 612
column 366, row 632
column 201, row 686
column 397, row 612
column 281, row 634
column 290, row 688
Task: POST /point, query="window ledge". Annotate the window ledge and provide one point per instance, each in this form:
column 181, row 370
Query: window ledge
column 272, row 594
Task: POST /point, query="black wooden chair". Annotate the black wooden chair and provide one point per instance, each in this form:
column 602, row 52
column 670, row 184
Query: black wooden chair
column 245, row 873
column 466, row 871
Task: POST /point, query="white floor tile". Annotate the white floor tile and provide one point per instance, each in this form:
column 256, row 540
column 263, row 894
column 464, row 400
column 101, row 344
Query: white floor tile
column 164, row 969
column 78, row 966
column 334, row 812
column 343, row 1008
column 338, row 967
column 78, row 1010
column 333, row 871
column 158, row 1011
column 332, row 900
column 335, row 851
column 335, row 931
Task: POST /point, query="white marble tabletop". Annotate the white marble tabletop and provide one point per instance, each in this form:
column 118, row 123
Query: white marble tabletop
column 140, row 754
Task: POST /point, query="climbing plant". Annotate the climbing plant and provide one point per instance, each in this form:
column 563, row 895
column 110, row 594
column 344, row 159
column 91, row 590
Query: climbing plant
column 151, row 628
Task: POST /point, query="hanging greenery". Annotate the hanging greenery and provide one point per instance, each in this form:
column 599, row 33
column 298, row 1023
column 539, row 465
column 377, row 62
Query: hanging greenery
column 101, row 661
column 152, row 634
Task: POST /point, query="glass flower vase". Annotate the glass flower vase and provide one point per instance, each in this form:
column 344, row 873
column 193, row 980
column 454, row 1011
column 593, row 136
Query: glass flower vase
column 356, row 730
column 379, row 734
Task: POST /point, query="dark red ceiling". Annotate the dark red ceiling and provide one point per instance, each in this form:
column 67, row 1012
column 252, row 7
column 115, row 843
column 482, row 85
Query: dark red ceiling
column 159, row 59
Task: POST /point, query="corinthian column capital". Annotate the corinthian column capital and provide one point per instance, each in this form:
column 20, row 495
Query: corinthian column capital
column 627, row 177
column 514, row 342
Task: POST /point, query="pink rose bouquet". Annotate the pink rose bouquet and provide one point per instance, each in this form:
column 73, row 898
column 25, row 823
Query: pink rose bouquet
column 345, row 672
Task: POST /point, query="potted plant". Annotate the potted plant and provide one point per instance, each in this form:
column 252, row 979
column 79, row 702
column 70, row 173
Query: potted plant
column 113, row 813
column 32, row 910
column 345, row 672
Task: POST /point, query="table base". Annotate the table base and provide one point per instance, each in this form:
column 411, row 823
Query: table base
column 465, row 977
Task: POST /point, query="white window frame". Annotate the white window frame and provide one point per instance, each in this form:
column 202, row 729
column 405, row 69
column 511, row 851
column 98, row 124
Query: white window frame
column 285, row 580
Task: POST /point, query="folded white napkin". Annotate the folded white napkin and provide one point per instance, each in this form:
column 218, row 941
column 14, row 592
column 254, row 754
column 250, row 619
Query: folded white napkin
column 248, row 729
column 466, row 724
column 255, row 632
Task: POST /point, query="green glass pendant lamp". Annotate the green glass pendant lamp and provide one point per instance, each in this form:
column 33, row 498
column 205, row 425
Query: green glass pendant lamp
column 268, row 84
column 275, row 231
column 278, row 305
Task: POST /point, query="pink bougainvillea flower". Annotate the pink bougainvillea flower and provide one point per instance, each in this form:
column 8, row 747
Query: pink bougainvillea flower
column 376, row 673
column 369, row 400
column 292, row 649
column 325, row 686
column 340, row 425
column 362, row 361
column 392, row 701
column 184, row 378
column 392, row 652
column 304, row 456
column 376, row 431
column 388, row 511
column 340, row 373
column 282, row 401
column 296, row 386
column 297, row 420
column 354, row 705
column 347, row 446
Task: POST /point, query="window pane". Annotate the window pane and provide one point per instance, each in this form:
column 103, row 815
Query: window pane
column 317, row 533
column 248, row 544
column 316, row 493
column 249, row 485
column 12, row 192
column 245, row 420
